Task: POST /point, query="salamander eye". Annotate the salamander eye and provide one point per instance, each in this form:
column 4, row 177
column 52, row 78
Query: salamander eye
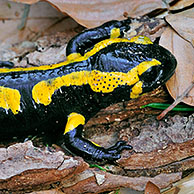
column 152, row 75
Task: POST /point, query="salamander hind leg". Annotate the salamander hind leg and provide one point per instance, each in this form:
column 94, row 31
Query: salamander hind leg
column 7, row 64
column 78, row 145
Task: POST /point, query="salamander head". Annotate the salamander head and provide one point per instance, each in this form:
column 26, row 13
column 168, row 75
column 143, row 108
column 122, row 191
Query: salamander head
column 160, row 73
column 142, row 68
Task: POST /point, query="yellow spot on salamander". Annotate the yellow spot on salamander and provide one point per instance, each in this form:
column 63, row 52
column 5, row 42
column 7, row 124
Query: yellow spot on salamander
column 74, row 57
column 73, row 121
column 141, row 68
column 136, row 90
column 104, row 82
column 99, row 82
column 96, row 144
column 115, row 33
column 43, row 91
column 144, row 66
column 10, row 99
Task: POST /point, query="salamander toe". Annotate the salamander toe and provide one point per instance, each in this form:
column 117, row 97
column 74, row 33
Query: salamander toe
column 119, row 147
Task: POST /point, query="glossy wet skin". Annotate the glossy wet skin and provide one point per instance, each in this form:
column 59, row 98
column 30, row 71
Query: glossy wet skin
column 41, row 99
column 158, row 75
column 123, row 57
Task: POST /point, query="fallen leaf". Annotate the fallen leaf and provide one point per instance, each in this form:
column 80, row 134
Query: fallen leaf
column 42, row 19
column 100, row 178
column 181, row 4
column 184, row 74
column 185, row 185
column 182, row 23
column 93, row 13
column 151, row 188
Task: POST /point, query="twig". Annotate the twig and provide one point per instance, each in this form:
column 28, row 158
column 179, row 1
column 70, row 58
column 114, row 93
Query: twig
column 24, row 17
column 177, row 101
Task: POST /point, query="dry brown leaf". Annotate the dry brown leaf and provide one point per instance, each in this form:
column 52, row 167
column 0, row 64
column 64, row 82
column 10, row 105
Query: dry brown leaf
column 42, row 19
column 93, row 13
column 181, row 4
column 151, row 188
column 184, row 74
column 41, row 16
column 182, row 23
column 183, row 186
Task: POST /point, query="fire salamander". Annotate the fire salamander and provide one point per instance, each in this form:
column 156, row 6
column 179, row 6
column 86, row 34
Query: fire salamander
column 102, row 68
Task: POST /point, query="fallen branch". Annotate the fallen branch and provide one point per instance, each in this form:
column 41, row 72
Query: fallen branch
column 100, row 181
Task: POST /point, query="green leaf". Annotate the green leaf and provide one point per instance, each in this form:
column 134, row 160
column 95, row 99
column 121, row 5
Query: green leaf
column 163, row 106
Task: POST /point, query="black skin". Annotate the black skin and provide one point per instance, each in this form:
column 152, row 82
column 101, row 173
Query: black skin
column 7, row 64
column 117, row 57
column 87, row 39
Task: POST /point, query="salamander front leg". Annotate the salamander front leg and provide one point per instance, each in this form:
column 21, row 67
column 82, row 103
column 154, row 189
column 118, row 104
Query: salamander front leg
column 78, row 145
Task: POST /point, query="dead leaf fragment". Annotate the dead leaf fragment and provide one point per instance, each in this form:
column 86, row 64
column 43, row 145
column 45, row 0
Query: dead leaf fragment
column 182, row 23
column 42, row 19
column 181, row 4
column 184, row 74
column 183, row 186
column 151, row 188
column 93, row 13
column 100, row 178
